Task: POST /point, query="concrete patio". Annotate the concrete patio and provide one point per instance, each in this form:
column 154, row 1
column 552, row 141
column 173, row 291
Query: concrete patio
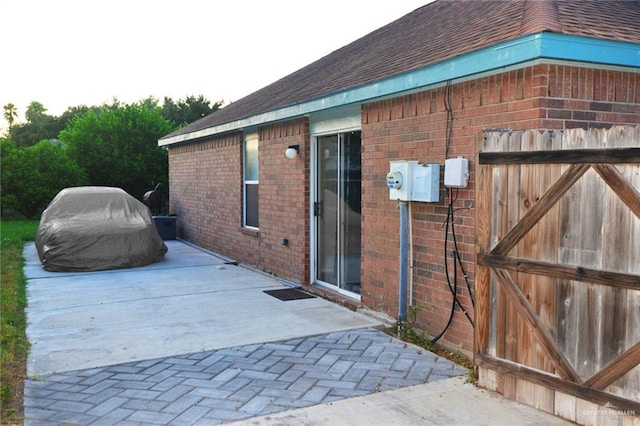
column 195, row 339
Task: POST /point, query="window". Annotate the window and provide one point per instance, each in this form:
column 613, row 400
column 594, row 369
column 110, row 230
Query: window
column 251, row 181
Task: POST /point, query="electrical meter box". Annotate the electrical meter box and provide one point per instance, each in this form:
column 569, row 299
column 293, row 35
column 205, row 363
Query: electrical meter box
column 425, row 186
column 408, row 180
column 399, row 179
column 456, row 172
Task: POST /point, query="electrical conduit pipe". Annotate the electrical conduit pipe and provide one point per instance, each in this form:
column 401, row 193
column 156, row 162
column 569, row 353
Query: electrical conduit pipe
column 402, row 287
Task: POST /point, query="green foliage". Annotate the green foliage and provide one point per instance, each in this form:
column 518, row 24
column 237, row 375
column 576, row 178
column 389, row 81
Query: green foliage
column 14, row 345
column 119, row 146
column 32, row 176
column 10, row 113
column 409, row 333
column 188, row 110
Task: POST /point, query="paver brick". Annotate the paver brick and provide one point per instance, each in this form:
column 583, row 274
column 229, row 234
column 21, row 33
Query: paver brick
column 37, row 402
column 114, row 417
column 193, row 375
column 96, row 378
column 140, row 394
column 162, row 375
column 211, row 393
column 68, row 396
column 134, row 384
column 291, row 375
column 220, row 404
column 67, row 418
column 316, row 394
column 152, row 417
column 145, row 405
column 235, row 384
column 256, row 405
column 71, row 406
column 105, row 407
column 100, row 397
column 125, row 368
column 280, row 368
column 190, row 416
column 174, row 393
column 167, row 384
column 230, row 384
column 183, row 403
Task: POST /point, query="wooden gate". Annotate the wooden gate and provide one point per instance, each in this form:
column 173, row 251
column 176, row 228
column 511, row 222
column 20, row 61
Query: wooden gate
column 558, row 270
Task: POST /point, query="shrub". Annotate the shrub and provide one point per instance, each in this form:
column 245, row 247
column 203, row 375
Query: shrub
column 32, row 176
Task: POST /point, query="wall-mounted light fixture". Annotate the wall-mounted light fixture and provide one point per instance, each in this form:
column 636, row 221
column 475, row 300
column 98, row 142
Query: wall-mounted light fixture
column 292, row 151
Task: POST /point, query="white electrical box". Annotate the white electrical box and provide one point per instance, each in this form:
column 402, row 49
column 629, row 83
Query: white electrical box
column 399, row 179
column 426, row 183
column 456, row 172
column 408, row 180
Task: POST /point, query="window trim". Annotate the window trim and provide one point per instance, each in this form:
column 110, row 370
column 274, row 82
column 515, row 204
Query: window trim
column 249, row 137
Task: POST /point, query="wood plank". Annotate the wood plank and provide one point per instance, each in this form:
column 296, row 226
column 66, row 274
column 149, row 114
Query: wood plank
column 565, row 406
column 528, row 314
column 508, row 210
column 621, row 186
column 567, row 156
column 556, row 383
column 554, row 270
column 540, row 208
column 482, row 313
column 615, row 369
column 527, row 247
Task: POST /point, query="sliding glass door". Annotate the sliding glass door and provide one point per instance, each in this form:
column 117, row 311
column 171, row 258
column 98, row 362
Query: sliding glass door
column 337, row 211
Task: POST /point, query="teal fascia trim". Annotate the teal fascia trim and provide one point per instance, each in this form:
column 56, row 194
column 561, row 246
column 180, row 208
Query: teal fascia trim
column 513, row 52
column 524, row 49
column 590, row 50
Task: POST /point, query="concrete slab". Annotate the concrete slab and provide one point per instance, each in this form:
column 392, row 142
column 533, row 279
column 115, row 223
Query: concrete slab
column 445, row 402
column 192, row 301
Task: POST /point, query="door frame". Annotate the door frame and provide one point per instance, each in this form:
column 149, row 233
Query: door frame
column 313, row 197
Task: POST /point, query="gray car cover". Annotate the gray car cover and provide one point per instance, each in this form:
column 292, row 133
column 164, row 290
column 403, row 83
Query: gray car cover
column 93, row 228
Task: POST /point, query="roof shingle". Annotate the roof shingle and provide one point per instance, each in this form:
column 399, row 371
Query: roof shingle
column 433, row 33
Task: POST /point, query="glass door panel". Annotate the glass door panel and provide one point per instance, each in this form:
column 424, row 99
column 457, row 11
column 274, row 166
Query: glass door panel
column 337, row 211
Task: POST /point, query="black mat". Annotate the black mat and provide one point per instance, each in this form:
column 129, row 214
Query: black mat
column 287, row 294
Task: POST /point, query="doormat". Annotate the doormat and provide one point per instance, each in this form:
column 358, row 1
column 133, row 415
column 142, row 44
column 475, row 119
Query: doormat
column 287, row 294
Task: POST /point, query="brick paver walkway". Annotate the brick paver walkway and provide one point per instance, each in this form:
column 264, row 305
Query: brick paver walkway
column 218, row 386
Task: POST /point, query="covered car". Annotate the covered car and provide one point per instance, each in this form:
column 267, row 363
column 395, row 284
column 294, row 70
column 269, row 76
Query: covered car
column 93, row 228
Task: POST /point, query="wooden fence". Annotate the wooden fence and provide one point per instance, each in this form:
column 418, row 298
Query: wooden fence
column 558, row 269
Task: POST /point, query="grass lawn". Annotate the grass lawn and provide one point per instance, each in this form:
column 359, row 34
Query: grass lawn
column 14, row 346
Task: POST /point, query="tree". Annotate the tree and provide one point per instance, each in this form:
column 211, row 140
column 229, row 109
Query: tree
column 118, row 146
column 188, row 110
column 35, row 110
column 32, row 176
column 10, row 114
column 39, row 126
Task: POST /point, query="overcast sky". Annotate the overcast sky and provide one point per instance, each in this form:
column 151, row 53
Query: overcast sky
column 65, row 53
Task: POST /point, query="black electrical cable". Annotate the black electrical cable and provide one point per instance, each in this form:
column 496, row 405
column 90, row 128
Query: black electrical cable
column 450, row 221
column 446, row 270
column 456, row 257
column 448, row 108
column 453, row 288
column 464, row 273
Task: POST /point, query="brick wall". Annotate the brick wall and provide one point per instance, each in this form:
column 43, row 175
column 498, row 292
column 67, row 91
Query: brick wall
column 284, row 201
column 206, row 194
column 206, row 180
column 414, row 127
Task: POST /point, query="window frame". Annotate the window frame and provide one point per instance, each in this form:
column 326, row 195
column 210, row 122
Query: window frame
column 250, row 138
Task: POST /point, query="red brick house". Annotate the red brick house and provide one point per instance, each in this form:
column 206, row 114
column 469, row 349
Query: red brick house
column 421, row 88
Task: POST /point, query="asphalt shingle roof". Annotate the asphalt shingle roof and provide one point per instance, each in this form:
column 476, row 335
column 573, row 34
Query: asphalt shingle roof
column 438, row 31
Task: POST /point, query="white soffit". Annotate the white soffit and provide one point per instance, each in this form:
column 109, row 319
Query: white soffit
column 335, row 120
